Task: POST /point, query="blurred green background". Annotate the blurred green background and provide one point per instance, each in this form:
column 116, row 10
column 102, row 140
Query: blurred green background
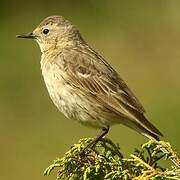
column 141, row 39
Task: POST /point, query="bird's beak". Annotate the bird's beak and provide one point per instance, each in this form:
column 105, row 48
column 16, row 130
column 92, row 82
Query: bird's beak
column 28, row 36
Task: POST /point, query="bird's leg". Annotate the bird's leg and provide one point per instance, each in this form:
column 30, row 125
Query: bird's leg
column 95, row 140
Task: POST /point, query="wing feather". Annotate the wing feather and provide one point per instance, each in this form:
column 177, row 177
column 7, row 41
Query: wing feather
column 90, row 73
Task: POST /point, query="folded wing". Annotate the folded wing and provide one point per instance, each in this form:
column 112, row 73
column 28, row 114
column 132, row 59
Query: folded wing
column 90, row 73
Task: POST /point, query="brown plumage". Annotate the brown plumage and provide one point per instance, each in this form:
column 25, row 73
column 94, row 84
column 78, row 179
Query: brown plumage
column 82, row 84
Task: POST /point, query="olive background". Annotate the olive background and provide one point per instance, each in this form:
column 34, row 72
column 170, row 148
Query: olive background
column 140, row 39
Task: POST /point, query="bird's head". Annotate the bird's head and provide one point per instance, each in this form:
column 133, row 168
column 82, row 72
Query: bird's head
column 52, row 32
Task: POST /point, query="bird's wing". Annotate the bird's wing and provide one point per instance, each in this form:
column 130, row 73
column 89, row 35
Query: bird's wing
column 94, row 77
column 90, row 73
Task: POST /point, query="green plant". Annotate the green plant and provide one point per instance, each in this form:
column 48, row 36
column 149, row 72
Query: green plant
column 105, row 161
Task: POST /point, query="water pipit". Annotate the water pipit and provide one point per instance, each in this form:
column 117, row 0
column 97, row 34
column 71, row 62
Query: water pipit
column 82, row 84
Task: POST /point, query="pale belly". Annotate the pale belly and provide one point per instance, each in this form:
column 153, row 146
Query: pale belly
column 70, row 102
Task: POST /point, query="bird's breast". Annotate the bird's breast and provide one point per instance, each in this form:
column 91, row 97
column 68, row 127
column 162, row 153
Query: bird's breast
column 68, row 100
column 59, row 91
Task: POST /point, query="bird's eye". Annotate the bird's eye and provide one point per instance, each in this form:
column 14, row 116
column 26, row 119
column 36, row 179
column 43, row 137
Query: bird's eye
column 45, row 31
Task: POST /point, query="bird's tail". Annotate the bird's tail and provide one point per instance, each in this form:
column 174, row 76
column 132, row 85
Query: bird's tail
column 150, row 131
column 143, row 126
column 139, row 122
column 154, row 135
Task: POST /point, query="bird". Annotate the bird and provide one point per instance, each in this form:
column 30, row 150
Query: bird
column 82, row 84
